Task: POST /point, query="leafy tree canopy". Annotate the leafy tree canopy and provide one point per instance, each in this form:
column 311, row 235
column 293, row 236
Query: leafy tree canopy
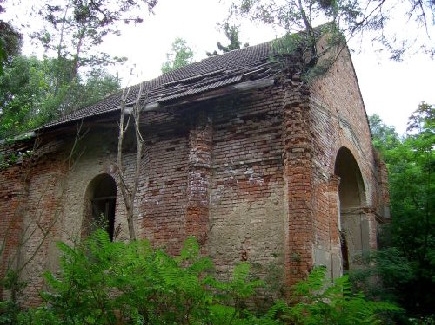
column 347, row 19
column 232, row 34
column 10, row 40
column 411, row 166
column 384, row 137
column 71, row 74
column 29, row 97
column 74, row 28
column 179, row 56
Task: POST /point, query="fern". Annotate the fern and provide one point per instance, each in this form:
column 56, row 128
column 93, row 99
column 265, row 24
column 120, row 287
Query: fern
column 321, row 301
column 102, row 282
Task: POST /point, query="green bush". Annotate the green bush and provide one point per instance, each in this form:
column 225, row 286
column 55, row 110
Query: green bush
column 104, row 282
column 320, row 301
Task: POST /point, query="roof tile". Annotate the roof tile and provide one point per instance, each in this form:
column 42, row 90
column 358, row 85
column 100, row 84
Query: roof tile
column 252, row 63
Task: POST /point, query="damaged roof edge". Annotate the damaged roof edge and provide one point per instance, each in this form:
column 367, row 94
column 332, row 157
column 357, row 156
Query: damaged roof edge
column 235, row 88
column 240, row 87
column 196, row 81
column 217, row 92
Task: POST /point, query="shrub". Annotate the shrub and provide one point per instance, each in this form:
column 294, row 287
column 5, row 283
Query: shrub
column 104, row 282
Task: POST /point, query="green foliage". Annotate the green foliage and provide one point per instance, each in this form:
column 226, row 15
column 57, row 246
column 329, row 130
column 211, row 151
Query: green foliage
column 71, row 74
column 104, row 282
column 321, row 302
column 384, row 137
column 74, row 28
column 288, row 44
column 10, row 309
column 351, row 18
column 314, row 62
column 410, row 261
column 34, row 91
column 302, row 17
column 10, row 43
column 234, row 293
column 22, row 86
column 179, row 56
column 9, row 312
column 232, row 34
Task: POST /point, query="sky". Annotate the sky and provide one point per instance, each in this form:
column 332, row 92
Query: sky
column 390, row 89
column 393, row 90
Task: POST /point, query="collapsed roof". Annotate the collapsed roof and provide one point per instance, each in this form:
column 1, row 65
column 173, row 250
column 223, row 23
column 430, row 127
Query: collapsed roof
column 214, row 76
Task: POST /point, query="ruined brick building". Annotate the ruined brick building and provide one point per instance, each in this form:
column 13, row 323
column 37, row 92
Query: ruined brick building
column 239, row 151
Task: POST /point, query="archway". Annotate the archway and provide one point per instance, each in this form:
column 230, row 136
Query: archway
column 354, row 228
column 101, row 205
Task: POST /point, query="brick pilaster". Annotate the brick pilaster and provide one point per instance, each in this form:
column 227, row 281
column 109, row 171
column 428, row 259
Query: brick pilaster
column 334, row 210
column 372, row 226
column 298, row 185
column 199, row 176
column 336, row 259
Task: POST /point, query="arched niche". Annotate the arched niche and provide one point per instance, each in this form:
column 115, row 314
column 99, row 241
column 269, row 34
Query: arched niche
column 354, row 227
column 100, row 205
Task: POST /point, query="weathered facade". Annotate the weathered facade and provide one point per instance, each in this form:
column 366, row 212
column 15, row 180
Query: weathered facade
column 239, row 152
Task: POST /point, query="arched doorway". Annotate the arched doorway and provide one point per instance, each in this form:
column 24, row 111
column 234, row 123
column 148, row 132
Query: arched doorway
column 354, row 228
column 101, row 205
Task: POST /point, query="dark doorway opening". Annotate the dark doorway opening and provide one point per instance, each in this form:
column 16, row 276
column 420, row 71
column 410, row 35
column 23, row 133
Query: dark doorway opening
column 351, row 191
column 101, row 196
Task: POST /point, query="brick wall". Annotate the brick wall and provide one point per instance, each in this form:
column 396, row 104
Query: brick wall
column 30, row 211
column 250, row 175
column 41, row 224
column 298, row 176
column 247, row 218
column 339, row 120
column 13, row 196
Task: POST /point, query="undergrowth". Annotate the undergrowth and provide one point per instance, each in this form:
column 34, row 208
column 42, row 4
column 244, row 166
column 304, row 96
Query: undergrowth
column 104, row 282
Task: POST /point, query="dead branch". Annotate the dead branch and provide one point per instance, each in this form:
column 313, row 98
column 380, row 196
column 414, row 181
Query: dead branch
column 129, row 191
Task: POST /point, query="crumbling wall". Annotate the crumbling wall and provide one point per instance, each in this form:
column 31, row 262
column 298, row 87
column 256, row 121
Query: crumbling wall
column 247, row 209
column 251, row 175
column 339, row 121
column 13, row 197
